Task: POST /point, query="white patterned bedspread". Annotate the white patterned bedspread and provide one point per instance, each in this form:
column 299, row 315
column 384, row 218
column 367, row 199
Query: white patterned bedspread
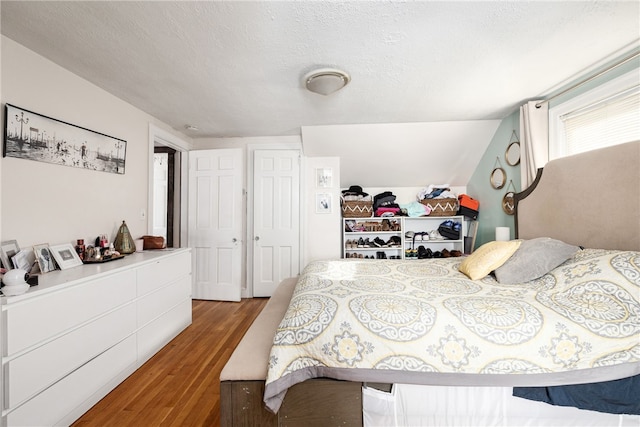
column 424, row 322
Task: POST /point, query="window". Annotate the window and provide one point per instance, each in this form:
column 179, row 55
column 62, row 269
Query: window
column 604, row 116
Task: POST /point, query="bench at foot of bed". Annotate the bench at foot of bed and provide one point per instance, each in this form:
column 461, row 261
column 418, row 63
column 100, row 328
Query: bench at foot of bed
column 311, row 403
column 315, row 402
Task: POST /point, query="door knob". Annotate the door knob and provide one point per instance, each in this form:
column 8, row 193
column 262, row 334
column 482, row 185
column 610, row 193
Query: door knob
column 234, row 240
column 256, row 238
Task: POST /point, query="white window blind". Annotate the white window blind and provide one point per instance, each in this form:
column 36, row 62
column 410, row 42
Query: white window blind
column 612, row 121
column 606, row 115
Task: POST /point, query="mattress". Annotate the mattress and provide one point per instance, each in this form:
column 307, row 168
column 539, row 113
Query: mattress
column 424, row 322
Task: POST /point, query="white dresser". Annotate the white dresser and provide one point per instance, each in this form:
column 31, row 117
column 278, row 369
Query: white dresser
column 70, row 340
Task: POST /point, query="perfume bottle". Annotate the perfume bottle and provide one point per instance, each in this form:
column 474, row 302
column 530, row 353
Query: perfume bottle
column 80, row 248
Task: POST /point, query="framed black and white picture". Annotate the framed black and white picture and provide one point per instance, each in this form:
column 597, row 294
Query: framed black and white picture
column 8, row 249
column 44, row 258
column 323, row 203
column 65, row 256
column 324, row 178
column 32, row 136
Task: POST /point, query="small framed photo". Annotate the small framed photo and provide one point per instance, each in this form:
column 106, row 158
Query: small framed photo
column 44, row 258
column 324, row 177
column 24, row 260
column 8, row 249
column 65, row 256
column 323, row 202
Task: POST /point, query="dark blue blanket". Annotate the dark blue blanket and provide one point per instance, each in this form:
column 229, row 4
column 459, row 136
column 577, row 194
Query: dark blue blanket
column 614, row 397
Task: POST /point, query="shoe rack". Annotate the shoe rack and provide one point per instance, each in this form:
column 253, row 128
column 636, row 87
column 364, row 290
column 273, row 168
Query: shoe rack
column 399, row 238
column 372, row 238
column 423, row 232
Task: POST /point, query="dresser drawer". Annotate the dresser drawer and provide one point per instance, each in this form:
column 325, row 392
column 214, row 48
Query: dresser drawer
column 159, row 332
column 38, row 369
column 44, row 317
column 157, row 274
column 159, row 302
column 52, row 406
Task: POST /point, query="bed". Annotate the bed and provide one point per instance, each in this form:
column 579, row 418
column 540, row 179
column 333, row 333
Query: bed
column 576, row 324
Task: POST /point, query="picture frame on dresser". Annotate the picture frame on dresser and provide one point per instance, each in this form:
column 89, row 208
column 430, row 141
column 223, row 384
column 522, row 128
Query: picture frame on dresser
column 65, row 256
column 8, row 249
column 44, row 257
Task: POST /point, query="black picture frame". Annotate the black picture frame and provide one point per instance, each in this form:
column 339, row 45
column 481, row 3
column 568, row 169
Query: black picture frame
column 32, row 136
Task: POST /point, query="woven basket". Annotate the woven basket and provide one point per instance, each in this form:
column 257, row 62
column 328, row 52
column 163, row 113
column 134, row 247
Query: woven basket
column 357, row 209
column 441, row 207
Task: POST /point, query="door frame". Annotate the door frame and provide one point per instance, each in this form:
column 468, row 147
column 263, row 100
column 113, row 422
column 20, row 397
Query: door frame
column 276, row 143
column 170, row 195
column 168, row 139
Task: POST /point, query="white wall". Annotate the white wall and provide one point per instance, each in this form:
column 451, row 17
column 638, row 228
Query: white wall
column 47, row 203
column 402, row 154
column 322, row 233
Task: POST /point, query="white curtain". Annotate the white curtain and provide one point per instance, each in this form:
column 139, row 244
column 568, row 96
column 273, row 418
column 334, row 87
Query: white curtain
column 534, row 140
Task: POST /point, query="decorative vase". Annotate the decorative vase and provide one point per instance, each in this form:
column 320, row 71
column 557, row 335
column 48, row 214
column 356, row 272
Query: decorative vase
column 124, row 242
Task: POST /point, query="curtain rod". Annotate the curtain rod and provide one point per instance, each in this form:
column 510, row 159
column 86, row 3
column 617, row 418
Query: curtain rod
column 577, row 85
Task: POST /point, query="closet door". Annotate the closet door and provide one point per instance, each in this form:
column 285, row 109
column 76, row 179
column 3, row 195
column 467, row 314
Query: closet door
column 276, row 218
column 215, row 223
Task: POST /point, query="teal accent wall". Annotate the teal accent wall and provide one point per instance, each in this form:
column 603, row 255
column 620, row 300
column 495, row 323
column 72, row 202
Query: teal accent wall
column 479, row 187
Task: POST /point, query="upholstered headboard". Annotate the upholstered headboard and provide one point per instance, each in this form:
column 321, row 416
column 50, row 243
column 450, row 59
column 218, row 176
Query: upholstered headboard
column 590, row 199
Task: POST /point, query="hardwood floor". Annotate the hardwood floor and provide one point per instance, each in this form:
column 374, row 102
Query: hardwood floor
column 180, row 385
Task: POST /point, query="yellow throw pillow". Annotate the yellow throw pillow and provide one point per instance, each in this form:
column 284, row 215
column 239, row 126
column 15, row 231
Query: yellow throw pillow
column 487, row 258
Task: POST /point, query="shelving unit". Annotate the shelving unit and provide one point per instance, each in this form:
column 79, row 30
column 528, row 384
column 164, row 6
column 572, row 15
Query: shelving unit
column 359, row 236
column 426, row 224
column 363, row 230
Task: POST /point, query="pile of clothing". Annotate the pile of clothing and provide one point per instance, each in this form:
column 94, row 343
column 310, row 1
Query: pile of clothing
column 436, row 192
column 384, row 204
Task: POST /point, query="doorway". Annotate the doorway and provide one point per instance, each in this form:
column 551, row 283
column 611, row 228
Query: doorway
column 167, row 185
column 164, row 167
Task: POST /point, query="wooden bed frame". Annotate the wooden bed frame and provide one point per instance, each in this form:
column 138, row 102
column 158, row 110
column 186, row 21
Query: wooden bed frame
column 591, row 199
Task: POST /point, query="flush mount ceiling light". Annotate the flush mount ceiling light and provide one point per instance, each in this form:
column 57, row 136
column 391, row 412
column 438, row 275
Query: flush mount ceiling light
column 191, row 128
column 325, row 81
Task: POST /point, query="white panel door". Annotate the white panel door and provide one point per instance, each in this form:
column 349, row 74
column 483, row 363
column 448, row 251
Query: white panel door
column 215, row 223
column 276, row 218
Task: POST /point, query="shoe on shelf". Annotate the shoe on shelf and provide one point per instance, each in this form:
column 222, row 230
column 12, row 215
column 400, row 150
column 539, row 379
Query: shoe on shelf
column 422, row 252
column 456, row 253
column 360, row 243
column 437, row 254
column 435, row 235
column 429, row 253
column 393, row 241
column 456, row 226
column 379, row 242
column 448, row 224
column 409, row 234
column 446, row 253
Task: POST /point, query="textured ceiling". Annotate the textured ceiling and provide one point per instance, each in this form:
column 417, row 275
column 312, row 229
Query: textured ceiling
column 236, row 68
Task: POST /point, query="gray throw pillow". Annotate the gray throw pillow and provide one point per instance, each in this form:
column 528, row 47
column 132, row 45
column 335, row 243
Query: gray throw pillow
column 534, row 258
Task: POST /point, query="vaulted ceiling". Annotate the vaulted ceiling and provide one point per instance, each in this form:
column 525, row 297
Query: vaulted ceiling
column 236, row 68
